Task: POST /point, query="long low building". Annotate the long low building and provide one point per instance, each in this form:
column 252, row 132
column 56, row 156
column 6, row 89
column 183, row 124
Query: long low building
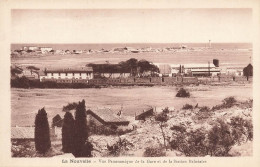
column 82, row 73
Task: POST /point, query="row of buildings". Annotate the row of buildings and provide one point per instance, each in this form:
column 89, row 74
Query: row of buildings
column 84, row 74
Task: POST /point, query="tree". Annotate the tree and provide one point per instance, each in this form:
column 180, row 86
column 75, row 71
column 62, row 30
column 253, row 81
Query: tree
column 68, row 129
column 248, row 71
column 82, row 148
column 42, row 132
column 162, row 118
column 132, row 64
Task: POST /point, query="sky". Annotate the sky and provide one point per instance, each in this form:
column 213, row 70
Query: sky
column 131, row 25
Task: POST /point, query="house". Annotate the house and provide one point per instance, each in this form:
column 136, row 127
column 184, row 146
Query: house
column 106, row 116
column 80, row 73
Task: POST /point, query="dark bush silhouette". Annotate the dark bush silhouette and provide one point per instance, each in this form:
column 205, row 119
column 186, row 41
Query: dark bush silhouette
column 190, row 143
column 42, row 132
column 187, row 107
column 70, row 106
column 204, row 109
column 242, row 129
column 82, row 147
column 183, row 93
column 220, row 139
column 68, row 133
column 154, row 152
column 120, row 147
column 226, row 103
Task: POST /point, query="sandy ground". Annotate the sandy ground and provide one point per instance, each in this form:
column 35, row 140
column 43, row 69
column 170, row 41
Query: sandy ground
column 26, row 102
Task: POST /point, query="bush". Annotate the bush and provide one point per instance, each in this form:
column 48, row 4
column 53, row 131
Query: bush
column 183, row 93
column 177, row 128
column 204, row 109
column 241, row 129
column 154, row 152
column 226, row 103
column 190, row 143
column 119, row 148
column 220, row 139
column 187, row 107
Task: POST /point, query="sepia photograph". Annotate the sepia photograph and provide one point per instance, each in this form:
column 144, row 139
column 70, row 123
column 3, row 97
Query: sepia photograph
column 131, row 83
column 156, row 90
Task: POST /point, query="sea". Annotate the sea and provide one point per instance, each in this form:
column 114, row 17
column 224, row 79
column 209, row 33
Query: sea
column 98, row 46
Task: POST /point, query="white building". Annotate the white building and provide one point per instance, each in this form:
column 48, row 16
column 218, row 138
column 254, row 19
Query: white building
column 82, row 73
column 30, row 48
column 45, row 49
column 197, row 69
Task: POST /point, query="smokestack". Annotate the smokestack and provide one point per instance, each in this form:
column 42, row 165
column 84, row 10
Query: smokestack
column 209, row 43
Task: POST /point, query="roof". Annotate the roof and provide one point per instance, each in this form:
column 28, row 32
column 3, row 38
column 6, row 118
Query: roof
column 79, row 69
column 22, row 133
column 107, row 115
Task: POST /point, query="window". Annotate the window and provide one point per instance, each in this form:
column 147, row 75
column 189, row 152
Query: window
column 59, row 73
column 79, row 74
column 51, row 74
column 66, row 74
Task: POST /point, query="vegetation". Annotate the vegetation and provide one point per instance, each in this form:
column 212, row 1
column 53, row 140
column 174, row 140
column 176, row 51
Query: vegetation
column 107, row 130
column 68, row 133
column 242, row 129
column 132, row 66
column 82, row 147
column 248, row 71
column 226, row 103
column 162, row 118
column 42, row 132
column 154, row 152
column 220, row 139
column 204, row 109
column 183, row 93
column 187, row 107
column 119, row 148
column 190, row 143
column 70, row 106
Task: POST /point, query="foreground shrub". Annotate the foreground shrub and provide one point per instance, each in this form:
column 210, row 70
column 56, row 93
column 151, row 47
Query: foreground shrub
column 154, row 152
column 220, row 139
column 226, row 103
column 187, row 107
column 190, row 143
column 204, row 109
column 119, row 148
column 241, row 129
column 183, row 93
column 108, row 130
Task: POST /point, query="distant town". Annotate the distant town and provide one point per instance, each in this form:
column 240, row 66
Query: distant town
column 132, row 71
